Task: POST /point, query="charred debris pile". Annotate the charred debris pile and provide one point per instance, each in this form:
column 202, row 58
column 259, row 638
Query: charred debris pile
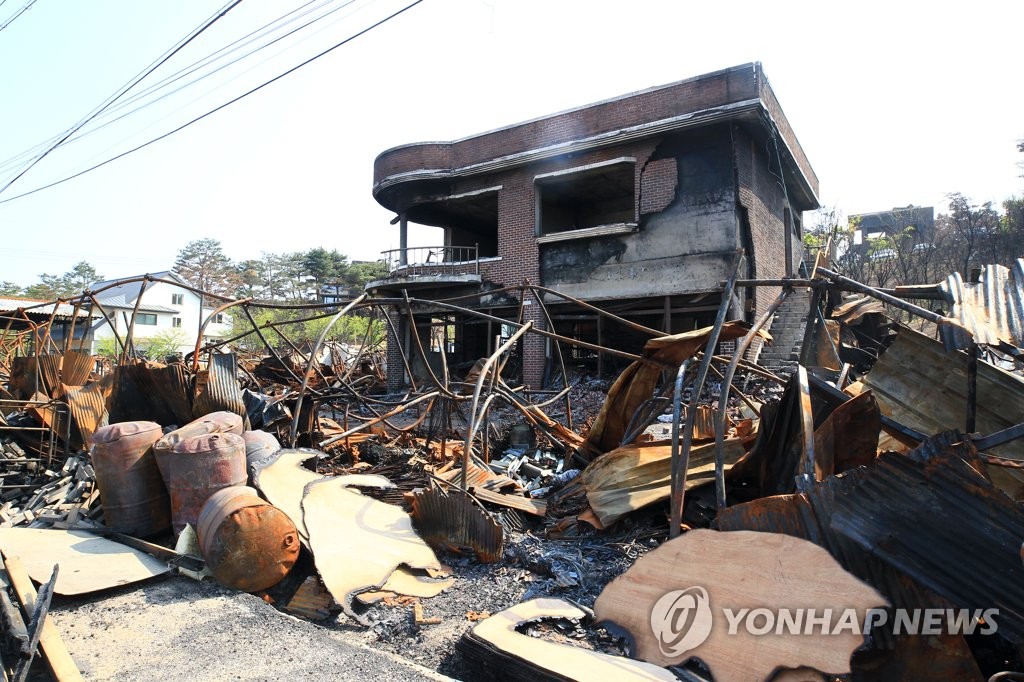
column 883, row 475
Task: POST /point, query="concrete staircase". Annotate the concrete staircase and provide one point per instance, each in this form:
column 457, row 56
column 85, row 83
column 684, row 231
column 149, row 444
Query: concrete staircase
column 787, row 330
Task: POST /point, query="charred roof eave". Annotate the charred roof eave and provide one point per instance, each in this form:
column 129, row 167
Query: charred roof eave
column 390, row 189
column 740, row 94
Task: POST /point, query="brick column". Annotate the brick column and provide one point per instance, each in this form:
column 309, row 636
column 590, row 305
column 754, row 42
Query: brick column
column 533, row 346
column 396, row 368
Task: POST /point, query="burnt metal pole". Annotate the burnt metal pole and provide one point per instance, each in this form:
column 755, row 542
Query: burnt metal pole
column 972, row 387
column 723, row 401
column 681, row 457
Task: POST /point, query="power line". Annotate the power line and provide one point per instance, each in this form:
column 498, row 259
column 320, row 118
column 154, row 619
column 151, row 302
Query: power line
column 216, row 109
column 249, row 38
column 195, row 34
column 17, row 14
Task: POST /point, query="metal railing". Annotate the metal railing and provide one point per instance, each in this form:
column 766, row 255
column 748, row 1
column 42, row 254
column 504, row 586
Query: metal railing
column 433, row 261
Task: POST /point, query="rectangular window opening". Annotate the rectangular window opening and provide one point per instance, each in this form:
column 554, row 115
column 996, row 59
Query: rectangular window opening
column 177, row 299
column 591, row 197
column 146, row 318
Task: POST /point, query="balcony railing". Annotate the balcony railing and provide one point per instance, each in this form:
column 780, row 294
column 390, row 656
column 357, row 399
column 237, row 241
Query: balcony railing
column 433, row 261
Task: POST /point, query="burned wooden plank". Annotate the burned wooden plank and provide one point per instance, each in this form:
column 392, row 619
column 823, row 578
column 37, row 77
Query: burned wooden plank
column 58, row 660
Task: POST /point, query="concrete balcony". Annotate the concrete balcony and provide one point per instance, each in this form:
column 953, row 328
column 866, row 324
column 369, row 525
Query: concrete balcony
column 429, row 266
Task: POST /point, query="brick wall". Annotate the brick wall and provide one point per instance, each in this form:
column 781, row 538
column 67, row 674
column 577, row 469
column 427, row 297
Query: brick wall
column 760, row 194
column 658, row 180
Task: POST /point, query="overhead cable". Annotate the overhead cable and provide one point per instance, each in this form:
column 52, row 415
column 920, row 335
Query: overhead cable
column 216, row 109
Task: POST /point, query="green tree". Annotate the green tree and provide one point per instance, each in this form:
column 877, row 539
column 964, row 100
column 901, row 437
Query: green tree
column 9, row 289
column 202, row 264
column 160, row 345
column 72, row 282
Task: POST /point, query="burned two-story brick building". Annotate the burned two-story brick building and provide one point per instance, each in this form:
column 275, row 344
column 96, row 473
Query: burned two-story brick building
column 640, row 204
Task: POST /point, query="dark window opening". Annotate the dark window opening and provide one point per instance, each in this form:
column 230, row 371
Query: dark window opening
column 589, row 198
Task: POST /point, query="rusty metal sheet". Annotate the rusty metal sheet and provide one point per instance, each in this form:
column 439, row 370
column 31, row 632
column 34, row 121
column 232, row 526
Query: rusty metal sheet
column 637, row 382
column 150, row 391
column 991, row 309
column 49, row 370
column 76, row 368
column 913, row 529
column 217, row 388
column 916, row 383
column 637, row 475
column 849, row 436
column 450, row 520
column 852, row 310
column 89, row 405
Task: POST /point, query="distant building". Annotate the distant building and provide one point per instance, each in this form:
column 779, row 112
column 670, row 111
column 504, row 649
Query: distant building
column 868, row 226
column 163, row 308
column 640, row 203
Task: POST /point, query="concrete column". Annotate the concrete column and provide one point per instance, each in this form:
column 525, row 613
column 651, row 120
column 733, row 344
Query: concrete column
column 403, row 239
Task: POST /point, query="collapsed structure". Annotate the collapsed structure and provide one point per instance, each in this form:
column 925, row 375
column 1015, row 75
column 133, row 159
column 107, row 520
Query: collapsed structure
column 642, row 204
column 882, row 474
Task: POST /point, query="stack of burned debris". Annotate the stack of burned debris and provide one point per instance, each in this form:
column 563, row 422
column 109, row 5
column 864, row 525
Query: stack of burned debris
column 860, row 518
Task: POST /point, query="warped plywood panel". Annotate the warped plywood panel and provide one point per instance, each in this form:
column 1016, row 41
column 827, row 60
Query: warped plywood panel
column 698, row 576
column 282, row 479
column 87, row 563
column 495, row 646
column 357, row 541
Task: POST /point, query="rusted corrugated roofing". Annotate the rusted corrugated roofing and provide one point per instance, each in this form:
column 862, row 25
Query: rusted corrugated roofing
column 9, row 305
column 935, row 521
column 993, row 309
column 453, row 521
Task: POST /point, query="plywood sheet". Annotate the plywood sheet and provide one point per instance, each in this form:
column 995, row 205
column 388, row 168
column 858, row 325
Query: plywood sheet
column 282, row 479
column 712, row 571
column 560, row 661
column 87, row 563
column 357, row 541
column 406, row 582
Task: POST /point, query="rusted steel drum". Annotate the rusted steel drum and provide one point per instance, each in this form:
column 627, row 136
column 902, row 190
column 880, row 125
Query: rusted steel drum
column 247, row 543
column 197, row 468
column 134, row 498
column 215, row 422
column 258, row 445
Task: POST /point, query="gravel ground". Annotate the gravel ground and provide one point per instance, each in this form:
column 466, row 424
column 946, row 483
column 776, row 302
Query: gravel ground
column 178, row 629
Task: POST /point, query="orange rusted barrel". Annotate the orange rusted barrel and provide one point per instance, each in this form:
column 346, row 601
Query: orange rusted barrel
column 247, row 543
column 198, row 467
column 215, row 422
column 133, row 495
column 258, row 445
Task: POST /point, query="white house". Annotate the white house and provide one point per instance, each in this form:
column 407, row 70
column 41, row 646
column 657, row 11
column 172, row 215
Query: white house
column 164, row 308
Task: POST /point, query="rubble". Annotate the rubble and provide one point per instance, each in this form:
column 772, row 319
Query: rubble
column 884, row 472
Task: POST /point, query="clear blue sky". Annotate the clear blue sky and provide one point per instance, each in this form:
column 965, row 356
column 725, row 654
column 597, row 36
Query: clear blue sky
column 894, row 103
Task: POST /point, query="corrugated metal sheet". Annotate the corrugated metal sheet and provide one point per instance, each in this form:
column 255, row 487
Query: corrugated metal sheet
column 8, row 305
column 993, row 309
column 946, row 527
column 919, row 385
column 49, row 368
column 451, row 520
column 89, row 405
column 850, row 311
column 911, row 529
column 77, row 367
column 217, row 388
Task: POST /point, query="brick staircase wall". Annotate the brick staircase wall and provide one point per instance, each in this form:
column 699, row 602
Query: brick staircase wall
column 787, row 330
